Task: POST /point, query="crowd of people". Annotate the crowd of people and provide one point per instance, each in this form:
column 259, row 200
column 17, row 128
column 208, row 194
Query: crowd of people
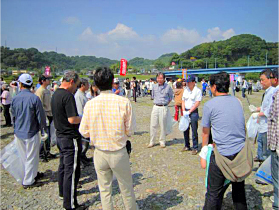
column 101, row 115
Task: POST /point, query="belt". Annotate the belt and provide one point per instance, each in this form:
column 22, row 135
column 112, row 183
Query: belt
column 161, row 105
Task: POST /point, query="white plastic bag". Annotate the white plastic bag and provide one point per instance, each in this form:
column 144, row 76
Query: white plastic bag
column 252, row 127
column 264, row 171
column 184, row 123
column 11, row 161
column 52, row 134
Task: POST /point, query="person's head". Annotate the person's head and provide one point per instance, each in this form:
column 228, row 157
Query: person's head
column 134, row 78
column 219, row 83
column 265, row 78
column 274, row 77
column 127, row 79
column 25, row 81
column 160, row 78
column 44, row 80
column 179, row 85
column 191, row 82
column 94, row 89
column 115, row 84
column 70, row 81
column 83, row 85
column 103, row 78
column 5, row 87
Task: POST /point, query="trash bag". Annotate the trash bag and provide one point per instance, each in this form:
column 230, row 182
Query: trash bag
column 52, row 135
column 252, row 127
column 11, row 161
column 264, row 171
column 184, row 123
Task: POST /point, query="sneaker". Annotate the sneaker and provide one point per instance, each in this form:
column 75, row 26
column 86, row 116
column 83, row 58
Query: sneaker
column 194, row 152
column 35, row 184
column 162, row 145
column 150, row 145
column 39, row 176
column 61, row 197
column 185, row 149
column 272, row 199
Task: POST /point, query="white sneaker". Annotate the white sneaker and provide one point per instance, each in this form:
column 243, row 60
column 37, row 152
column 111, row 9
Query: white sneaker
column 162, row 145
column 150, row 145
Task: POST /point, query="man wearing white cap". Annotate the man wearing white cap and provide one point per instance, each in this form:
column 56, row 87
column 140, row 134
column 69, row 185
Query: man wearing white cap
column 29, row 118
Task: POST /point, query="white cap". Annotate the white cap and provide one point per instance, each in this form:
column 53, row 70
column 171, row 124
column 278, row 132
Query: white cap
column 25, row 79
column 115, row 80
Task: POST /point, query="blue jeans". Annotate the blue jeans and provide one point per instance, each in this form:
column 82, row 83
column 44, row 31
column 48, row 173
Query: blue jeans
column 263, row 151
column 194, row 116
column 275, row 177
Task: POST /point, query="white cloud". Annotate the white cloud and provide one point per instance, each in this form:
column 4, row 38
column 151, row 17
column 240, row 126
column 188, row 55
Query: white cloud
column 71, row 20
column 123, row 41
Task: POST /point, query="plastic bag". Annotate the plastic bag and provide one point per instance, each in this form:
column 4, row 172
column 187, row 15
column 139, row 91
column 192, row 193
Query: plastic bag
column 11, row 161
column 252, row 127
column 53, row 134
column 264, row 171
column 184, row 123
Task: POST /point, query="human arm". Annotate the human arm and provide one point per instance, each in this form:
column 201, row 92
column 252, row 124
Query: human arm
column 194, row 107
column 205, row 136
column 71, row 110
column 40, row 113
column 170, row 93
column 84, row 128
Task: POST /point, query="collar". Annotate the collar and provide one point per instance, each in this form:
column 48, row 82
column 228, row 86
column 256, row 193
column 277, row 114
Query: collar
column 268, row 89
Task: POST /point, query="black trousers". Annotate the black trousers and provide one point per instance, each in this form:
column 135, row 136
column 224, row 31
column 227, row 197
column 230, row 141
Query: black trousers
column 69, row 170
column 47, row 142
column 216, row 189
column 85, row 146
column 6, row 110
column 135, row 94
column 194, row 116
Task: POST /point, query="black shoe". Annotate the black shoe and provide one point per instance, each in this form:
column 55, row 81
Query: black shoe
column 52, row 156
column 39, row 176
column 260, row 182
column 35, row 184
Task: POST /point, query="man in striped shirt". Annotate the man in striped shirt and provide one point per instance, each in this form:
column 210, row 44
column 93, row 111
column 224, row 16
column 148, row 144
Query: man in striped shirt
column 108, row 121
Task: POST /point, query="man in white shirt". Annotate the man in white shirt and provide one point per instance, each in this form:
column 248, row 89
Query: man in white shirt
column 244, row 87
column 274, row 79
column 263, row 152
column 191, row 99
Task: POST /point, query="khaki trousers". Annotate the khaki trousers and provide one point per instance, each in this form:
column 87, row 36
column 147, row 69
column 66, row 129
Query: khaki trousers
column 108, row 163
column 159, row 116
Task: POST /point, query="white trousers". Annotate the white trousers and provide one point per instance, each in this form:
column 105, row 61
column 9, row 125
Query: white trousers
column 28, row 150
column 127, row 93
column 115, row 163
column 159, row 116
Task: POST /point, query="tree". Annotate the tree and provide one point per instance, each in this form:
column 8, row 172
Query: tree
column 159, row 64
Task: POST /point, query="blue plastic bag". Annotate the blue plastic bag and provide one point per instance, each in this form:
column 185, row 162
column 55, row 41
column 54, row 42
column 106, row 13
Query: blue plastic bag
column 264, row 171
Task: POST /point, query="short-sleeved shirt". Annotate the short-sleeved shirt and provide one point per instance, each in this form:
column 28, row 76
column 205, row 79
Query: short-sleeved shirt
column 204, row 85
column 6, row 94
column 127, row 85
column 191, row 97
column 63, row 106
column 224, row 114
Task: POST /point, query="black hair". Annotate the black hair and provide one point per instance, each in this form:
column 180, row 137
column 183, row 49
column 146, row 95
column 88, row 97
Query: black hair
column 275, row 73
column 83, row 82
column 103, row 78
column 221, row 80
column 160, row 73
column 43, row 78
column 27, row 86
column 267, row 73
column 178, row 85
column 134, row 78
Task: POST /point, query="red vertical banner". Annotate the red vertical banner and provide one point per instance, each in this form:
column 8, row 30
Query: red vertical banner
column 47, row 71
column 123, row 67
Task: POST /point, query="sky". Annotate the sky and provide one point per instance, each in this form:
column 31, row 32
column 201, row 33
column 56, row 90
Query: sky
column 118, row 29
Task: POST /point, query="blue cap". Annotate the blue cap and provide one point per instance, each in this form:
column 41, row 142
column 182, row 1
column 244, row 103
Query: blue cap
column 191, row 78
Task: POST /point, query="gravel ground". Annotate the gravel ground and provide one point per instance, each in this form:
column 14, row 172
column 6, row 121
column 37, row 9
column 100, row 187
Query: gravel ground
column 163, row 178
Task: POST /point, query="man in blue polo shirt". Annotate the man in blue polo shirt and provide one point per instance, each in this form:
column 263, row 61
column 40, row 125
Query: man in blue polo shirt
column 29, row 118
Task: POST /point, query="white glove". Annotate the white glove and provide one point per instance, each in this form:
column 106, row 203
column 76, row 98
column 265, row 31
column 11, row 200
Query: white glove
column 252, row 108
column 186, row 113
column 255, row 115
column 44, row 136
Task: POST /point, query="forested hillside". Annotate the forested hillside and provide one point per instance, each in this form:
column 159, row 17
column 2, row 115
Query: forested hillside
column 236, row 51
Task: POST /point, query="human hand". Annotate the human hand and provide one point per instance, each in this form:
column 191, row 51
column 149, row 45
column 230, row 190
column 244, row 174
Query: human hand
column 252, row 108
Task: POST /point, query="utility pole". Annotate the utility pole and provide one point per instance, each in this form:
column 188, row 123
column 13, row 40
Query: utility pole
column 206, row 63
column 248, row 60
column 215, row 62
